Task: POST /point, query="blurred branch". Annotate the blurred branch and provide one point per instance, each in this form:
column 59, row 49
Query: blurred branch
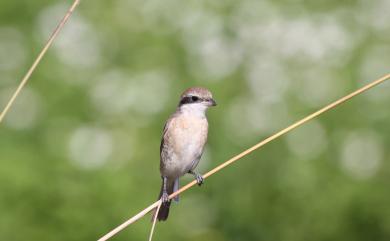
column 39, row 58
column 246, row 152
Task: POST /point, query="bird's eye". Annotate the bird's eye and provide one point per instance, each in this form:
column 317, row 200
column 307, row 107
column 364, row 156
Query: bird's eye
column 194, row 98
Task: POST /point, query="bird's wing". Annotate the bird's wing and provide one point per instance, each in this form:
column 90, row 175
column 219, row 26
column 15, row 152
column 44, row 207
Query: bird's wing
column 163, row 138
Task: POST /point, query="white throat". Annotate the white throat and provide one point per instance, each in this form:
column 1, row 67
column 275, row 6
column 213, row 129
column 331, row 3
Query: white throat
column 194, row 109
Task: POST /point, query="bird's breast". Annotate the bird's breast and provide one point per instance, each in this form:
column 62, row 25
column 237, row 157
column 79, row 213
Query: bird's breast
column 187, row 137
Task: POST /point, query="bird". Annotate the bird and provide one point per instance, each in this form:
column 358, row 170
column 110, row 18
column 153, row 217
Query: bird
column 182, row 144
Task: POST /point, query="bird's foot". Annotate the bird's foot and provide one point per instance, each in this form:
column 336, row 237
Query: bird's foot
column 199, row 179
column 164, row 198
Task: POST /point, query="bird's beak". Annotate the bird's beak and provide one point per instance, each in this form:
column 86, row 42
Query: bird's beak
column 213, row 102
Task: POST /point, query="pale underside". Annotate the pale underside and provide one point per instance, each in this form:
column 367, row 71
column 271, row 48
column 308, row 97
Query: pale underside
column 182, row 145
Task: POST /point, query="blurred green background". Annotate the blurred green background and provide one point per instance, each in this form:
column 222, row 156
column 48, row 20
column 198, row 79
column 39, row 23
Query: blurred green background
column 79, row 151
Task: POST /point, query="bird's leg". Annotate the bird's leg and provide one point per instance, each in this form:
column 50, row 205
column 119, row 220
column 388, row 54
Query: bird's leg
column 199, row 179
column 164, row 195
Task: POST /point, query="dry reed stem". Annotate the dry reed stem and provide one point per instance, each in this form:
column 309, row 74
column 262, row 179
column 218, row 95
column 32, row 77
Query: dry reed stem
column 246, row 152
column 39, row 58
column 154, row 221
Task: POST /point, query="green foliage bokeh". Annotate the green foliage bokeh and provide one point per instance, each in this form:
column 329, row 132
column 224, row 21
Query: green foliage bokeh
column 79, row 151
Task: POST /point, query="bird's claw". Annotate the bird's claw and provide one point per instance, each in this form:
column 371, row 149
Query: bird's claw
column 199, row 179
column 164, row 198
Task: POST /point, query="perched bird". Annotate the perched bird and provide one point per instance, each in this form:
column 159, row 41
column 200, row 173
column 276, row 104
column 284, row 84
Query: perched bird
column 182, row 144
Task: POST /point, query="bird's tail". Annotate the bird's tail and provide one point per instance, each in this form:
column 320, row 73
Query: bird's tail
column 164, row 209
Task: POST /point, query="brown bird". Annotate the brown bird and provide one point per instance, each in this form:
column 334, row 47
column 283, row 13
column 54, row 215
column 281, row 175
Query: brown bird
column 182, row 144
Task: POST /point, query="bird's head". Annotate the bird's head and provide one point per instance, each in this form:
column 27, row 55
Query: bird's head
column 196, row 99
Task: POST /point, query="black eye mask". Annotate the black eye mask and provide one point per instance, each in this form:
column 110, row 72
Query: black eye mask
column 190, row 100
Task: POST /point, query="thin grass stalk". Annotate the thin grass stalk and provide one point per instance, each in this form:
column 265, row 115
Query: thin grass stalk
column 38, row 59
column 248, row 151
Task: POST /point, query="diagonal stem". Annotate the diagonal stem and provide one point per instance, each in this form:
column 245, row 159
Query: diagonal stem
column 248, row 151
column 38, row 59
column 154, row 222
